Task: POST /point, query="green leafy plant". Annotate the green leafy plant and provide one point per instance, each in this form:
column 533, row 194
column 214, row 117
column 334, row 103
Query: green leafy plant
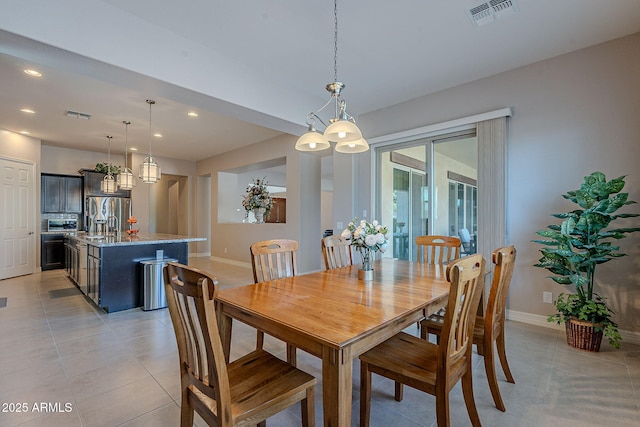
column 105, row 167
column 574, row 248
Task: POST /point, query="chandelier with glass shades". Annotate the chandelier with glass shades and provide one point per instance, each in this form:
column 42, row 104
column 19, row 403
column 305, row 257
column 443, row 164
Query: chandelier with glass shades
column 126, row 180
column 108, row 184
column 149, row 169
column 342, row 128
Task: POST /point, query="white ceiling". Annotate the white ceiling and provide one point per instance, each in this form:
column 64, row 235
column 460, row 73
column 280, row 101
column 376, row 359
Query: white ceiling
column 253, row 69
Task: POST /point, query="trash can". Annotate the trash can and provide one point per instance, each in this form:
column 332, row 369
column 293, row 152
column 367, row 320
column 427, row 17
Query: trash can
column 153, row 294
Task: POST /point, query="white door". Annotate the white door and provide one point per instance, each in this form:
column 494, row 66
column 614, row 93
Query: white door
column 17, row 218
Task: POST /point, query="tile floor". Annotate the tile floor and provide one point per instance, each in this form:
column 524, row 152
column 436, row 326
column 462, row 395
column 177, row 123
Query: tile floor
column 90, row 368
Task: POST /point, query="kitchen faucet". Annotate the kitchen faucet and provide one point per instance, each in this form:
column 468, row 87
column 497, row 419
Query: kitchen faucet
column 117, row 224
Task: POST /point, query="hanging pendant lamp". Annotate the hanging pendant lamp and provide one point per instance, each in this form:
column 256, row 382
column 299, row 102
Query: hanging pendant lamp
column 342, row 128
column 108, row 184
column 126, row 180
column 149, row 170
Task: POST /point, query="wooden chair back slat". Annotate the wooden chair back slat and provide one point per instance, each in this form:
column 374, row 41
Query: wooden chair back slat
column 336, row 251
column 466, row 276
column 273, row 259
column 437, row 250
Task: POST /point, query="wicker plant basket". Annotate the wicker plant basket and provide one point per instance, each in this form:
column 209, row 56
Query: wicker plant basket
column 583, row 335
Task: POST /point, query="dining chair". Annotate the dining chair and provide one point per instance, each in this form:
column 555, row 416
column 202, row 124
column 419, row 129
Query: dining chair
column 244, row 392
column 437, row 250
column 490, row 328
column 434, row 369
column 336, row 251
column 270, row 260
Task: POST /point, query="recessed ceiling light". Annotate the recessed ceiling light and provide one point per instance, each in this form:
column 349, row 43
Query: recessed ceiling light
column 192, row 114
column 157, row 135
column 33, row 73
column 26, row 110
column 24, row 132
column 133, row 149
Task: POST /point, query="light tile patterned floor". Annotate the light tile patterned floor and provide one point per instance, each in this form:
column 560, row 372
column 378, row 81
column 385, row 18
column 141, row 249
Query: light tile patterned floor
column 121, row 369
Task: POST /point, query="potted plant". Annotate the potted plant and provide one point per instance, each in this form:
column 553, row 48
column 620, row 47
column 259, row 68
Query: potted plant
column 572, row 251
column 105, row 168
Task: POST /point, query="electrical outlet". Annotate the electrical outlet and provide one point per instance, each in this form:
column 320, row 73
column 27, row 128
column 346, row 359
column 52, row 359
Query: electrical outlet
column 547, row 297
column 340, row 225
column 225, row 250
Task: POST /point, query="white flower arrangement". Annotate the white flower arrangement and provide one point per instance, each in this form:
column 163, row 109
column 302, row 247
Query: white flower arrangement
column 257, row 196
column 366, row 237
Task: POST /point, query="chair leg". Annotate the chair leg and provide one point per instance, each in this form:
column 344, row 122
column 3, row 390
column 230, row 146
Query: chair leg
column 259, row 340
column 424, row 333
column 308, row 414
column 467, row 391
column 365, row 394
column 399, row 392
column 502, row 354
column 292, row 357
column 186, row 410
column 442, row 405
column 490, row 369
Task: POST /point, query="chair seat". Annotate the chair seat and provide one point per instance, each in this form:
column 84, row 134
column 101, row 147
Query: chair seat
column 260, row 384
column 408, row 359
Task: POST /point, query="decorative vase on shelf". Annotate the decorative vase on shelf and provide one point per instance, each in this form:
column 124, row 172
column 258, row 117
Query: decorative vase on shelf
column 259, row 214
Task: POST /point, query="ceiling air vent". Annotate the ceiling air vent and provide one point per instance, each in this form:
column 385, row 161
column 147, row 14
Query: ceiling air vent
column 487, row 12
column 77, row 115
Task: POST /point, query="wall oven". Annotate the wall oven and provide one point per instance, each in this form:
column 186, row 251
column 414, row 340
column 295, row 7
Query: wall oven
column 62, row 225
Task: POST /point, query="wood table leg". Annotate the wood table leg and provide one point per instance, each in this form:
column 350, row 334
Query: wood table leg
column 337, row 376
column 224, row 325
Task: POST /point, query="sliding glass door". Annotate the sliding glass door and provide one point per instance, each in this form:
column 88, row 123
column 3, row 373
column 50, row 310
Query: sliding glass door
column 428, row 187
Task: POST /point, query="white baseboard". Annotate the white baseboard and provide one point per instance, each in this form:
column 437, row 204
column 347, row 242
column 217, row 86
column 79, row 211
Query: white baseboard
column 230, row 261
column 199, row 254
column 630, row 337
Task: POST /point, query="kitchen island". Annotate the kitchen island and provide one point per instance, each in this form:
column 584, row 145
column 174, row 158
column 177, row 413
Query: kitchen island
column 108, row 269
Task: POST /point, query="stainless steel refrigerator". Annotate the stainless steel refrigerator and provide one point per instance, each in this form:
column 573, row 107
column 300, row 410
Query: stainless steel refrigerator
column 105, row 215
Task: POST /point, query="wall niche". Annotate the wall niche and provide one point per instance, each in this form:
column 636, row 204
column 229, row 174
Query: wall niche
column 233, row 183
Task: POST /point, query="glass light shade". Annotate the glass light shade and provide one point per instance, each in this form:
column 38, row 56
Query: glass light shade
column 352, row 147
column 108, row 184
column 126, row 180
column 343, row 131
column 312, row 141
column 149, row 171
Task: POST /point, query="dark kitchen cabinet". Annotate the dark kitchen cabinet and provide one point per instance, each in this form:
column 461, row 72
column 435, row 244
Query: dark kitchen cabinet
column 52, row 254
column 61, row 194
column 92, row 181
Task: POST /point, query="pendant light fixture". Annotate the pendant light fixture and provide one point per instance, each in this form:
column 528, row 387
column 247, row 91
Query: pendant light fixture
column 108, row 184
column 342, row 128
column 126, row 180
column 149, row 170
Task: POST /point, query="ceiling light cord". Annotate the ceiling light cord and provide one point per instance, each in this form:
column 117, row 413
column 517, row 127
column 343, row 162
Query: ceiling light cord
column 335, row 40
column 150, row 102
column 126, row 141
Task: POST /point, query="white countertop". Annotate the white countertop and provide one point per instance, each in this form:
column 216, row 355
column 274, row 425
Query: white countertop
column 140, row 239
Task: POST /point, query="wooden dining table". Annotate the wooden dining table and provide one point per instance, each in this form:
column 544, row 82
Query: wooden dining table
column 335, row 316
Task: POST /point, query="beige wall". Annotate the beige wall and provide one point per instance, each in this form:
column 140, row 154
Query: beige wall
column 573, row 114
column 231, row 241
